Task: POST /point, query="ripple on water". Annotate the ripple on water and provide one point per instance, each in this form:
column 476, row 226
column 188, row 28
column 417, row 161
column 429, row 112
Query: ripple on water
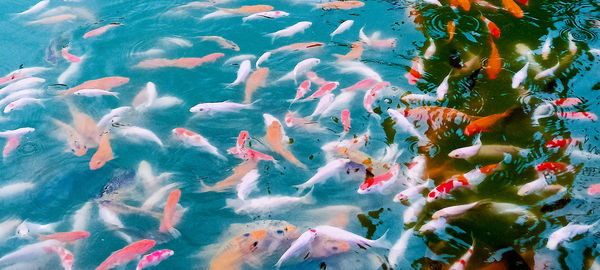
column 578, row 20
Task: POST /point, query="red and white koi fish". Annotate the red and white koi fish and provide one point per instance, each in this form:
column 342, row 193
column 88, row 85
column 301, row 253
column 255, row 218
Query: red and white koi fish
column 411, row 192
column 126, row 254
column 415, row 98
column 461, row 264
column 494, row 30
column 565, row 102
column 194, row 139
column 66, row 257
column 345, row 118
column 154, row 258
column 454, row 210
column 100, row 30
column 554, row 167
column 169, row 220
column 362, row 85
column 381, row 182
column 578, row 115
column 368, row 99
column 245, row 153
column 302, row 90
column 556, row 143
column 65, row 237
column 416, row 71
column 323, row 90
column 14, row 138
column 291, row 120
column 69, row 57
column 443, row 190
column 314, row 78
column 416, row 169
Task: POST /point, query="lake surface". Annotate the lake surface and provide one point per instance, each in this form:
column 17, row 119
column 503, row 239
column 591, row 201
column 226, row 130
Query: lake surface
column 64, row 183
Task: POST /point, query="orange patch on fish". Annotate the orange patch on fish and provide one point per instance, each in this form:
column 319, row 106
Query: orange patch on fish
column 465, row 4
column 186, row 62
column 513, row 8
column 103, row 154
column 168, row 220
column 485, row 124
column 341, row 5
column 451, row 27
column 354, row 53
column 106, row 83
column 255, row 80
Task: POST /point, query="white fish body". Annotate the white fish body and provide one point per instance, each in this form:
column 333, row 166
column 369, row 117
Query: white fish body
column 146, row 97
column 106, row 120
column 291, row 30
column 15, row 188
column 454, row 210
column 136, row 133
column 109, row 217
column 157, row 196
column 542, row 111
column 27, row 72
column 268, row 203
column 28, row 230
column 412, row 191
column 28, row 253
column 413, row 98
column 547, row 73
column 461, row 263
column 71, row 71
column 359, row 68
column 239, row 58
column 324, row 103
column 403, row 123
column 399, row 248
column 247, row 185
column 8, row 227
column 431, row 49
column 466, row 152
column 264, row 57
column 433, row 2
column 81, row 217
column 224, row 106
column 20, row 103
column 242, row 73
column 520, row 76
column 18, row 95
column 16, row 132
column 165, row 102
column 341, row 101
column 299, row 245
column 300, row 69
column 342, row 28
column 184, row 43
column 331, row 169
column 534, row 186
column 95, row 93
column 546, row 47
column 442, row 90
column 35, row 8
column 434, row 225
column 411, row 214
column 343, row 235
column 572, row 45
column 22, row 84
column 567, row 233
column 266, row 15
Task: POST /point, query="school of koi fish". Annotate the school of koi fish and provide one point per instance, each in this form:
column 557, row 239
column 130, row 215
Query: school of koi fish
column 298, row 134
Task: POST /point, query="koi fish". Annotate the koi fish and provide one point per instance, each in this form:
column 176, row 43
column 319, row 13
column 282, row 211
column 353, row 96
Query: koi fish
column 224, row 43
column 565, row 102
column 324, row 104
column 291, row 120
column 461, row 264
column 567, row 233
column 494, row 64
column 14, row 189
column 454, row 210
column 138, row 134
column 194, row 139
column 249, row 9
column 275, row 136
column 556, row 143
column 245, row 153
column 75, row 141
column 354, row 53
column 26, row 83
column 494, row 30
column 434, row 225
column 185, row 62
column 106, row 83
column 126, row 254
column 412, row 213
column 554, row 167
column 69, row 57
column 343, row 235
column 168, row 222
column 572, row 45
column 301, row 68
column 35, row 8
column 430, row 51
column 534, row 186
column 13, row 138
column 267, row 15
column 27, row 252
column 414, row 98
column 238, row 250
column 466, row 152
column 485, row 124
column 299, row 244
column 264, row 57
column 331, row 169
column 268, row 204
column 215, row 107
column 374, row 40
column 94, row 93
column 257, row 79
column 103, row 154
column 513, row 8
column 54, row 19
column 100, row 30
column 547, row 73
column 345, row 118
column 291, row 30
column 314, row 78
column 381, row 182
column 66, row 257
column 443, row 190
column 442, row 89
column 302, row 90
column 154, row 258
column 235, row 179
column 403, row 123
column 411, row 192
column 451, row 28
column 416, row 71
column 465, row 4
column 242, row 73
column 399, row 248
column 247, row 184
column 520, row 76
column 323, row 90
column 594, row 189
column 342, row 28
column 578, row 115
column 65, row 237
column 299, row 46
column 341, row 5
column 546, row 47
column 361, row 85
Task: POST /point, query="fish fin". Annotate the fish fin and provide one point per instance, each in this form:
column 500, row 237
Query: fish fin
column 204, row 187
column 308, row 198
column 382, row 241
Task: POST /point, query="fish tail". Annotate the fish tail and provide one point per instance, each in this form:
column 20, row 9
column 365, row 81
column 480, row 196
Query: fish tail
column 206, row 188
column 308, row 198
column 382, row 241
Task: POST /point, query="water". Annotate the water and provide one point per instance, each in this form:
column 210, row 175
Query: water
column 64, row 182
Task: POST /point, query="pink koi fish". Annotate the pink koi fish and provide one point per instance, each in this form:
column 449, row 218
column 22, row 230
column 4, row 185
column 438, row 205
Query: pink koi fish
column 154, row 258
column 314, row 78
column 126, row 254
column 14, row 139
column 565, row 102
column 100, row 30
column 186, row 62
column 69, row 57
column 362, row 85
column 240, row 151
column 66, row 257
column 323, row 90
column 302, row 90
column 346, row 119
column 578, row 115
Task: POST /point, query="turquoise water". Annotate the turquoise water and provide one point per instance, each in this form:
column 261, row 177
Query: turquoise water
column 64, row 182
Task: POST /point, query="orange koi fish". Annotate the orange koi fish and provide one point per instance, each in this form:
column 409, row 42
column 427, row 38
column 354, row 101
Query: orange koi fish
column 168, row 221
column 494, row 64
column 299, row 46
column 341, row 5
column 275, row 137
column 513, row 8
column 416, row 71
column 65, row 237
column 238, row 173
column 255, row 80
column 485, row 124
column 186, row 62
column 355, row 53
column 106, row 83
column 451, row 27
column 103, row 154
column 238, row 250
column 465, row 4
column 494, row 30
column 126, row 254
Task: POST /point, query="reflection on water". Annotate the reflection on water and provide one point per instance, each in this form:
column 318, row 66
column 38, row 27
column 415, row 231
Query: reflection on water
column 545, row 145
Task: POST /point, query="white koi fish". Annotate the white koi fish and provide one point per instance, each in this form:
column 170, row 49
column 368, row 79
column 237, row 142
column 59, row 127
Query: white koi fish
column 29, row 230
column 342, row 28
column 184, row 43
column 15, row 188
column 567, row 233
column 454, row 210
column 196, row 140
column 71, row 71
column 343, row 235
column 224, row 43
column 28, row 253
column 247, row 185
column 107, row 119
column 157, row 196
column 14, row 138
column 324, row 103
column 137, row 134
column 572, row 45
column 399, row 248
column 359, row 68
column 411, row 214
column 217, row 107
column 26, row 83
column 534, row 186
column 546, row 47
column 95, row 93
column 300, row 69
column 442, row 90
column 520, row 76
column 268, row 204
column 331, row 169
column 413, row 191
column 20, row 94
column 434, row 225
column 547, row 73
column 299, row 245
column 466, row 152
column 22, row 102
column 291, row 30
column 430, row 50
column 264, row 57
column 266, row 15
column 35, row 8
column 239, row 58
column 402, row 123
column 242, row 73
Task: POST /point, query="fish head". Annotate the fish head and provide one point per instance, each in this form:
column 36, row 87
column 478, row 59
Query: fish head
column 400, row 197
column 200, row 108
column 471, row 130
column 251, row 240
column 78, row 148
column 97, row 162
column 552, row 243
column 23, row 230
column 524, row 190
column 367, row 186
column 325, row 247
column 10, row 107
